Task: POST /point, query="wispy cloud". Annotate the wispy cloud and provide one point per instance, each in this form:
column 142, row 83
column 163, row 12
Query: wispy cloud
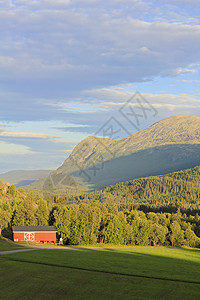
column 189, row 80
column 77, row 61
column 5, row 133
column 13, row 149
column 6, row 125
column 111, row 47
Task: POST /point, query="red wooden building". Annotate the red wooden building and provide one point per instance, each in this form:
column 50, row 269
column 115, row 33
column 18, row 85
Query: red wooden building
column 34, row 233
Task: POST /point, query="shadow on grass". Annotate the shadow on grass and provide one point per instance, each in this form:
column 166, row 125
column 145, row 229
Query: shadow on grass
column 179, row 265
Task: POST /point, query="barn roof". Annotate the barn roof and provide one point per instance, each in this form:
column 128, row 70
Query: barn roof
column 33, row 228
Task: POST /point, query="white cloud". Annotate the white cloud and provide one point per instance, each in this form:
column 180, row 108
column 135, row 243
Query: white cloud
column 6, row 3
column 178, row 2
column 180, row 71
column 55, row 57
column 43, row 3
column 56, row 3
column 6, row 125
column 5, row 133
column 112, row 99
column 13, row 149
column 189, row 80
column 74, row 44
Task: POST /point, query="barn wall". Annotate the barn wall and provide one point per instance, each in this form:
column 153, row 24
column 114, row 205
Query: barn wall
column 45, row 236
column 39, row 236
column 18, row 235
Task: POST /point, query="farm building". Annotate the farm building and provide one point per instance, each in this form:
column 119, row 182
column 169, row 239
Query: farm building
column 34, row 233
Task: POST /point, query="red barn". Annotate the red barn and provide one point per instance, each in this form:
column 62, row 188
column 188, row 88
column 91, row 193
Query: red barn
column 34, row 233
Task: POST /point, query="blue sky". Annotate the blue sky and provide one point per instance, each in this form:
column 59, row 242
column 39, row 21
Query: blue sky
column 67, row 67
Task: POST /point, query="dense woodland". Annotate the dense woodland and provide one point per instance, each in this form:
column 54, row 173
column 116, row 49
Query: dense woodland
column 156, row 193
column 105, row 223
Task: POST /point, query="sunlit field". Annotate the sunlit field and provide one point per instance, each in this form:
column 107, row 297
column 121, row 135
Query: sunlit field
column 118, row 273
column 6, row 246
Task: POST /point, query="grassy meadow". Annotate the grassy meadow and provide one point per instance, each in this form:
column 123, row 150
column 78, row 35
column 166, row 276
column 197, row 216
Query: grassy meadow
column 116, row 273
column 6, row 245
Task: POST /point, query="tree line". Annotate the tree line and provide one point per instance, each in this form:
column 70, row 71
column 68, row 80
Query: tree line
column 97, row 223
column 178, row 189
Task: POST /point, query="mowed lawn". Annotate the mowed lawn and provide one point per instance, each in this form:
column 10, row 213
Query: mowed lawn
column 6, row 246
column 126, row 273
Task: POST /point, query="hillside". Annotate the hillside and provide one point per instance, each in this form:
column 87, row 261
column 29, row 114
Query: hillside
column 19, row 208
column 21, row 177
column 113, row 216
column 169, row 145
column 120, row 214
column 179, row 189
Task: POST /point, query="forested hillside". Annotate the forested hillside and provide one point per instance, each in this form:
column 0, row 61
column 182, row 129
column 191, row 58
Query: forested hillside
column 18, row 208
column 179, row 189
column 97, row 223
column 110, row 216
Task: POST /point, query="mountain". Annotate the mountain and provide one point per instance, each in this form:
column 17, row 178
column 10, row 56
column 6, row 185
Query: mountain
column 22, row 178
column 178, row 189
column 169, row 145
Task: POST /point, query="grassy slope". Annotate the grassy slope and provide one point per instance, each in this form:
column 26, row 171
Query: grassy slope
column 71, row 274
column 6, row 246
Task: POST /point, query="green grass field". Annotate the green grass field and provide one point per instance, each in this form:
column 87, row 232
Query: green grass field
column 118, row 273
column 6, row 246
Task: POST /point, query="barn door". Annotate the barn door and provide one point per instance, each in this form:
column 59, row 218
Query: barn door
column 29, row 236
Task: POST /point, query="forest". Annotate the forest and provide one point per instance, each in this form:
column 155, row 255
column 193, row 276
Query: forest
column 156, row 193
column 97, row 223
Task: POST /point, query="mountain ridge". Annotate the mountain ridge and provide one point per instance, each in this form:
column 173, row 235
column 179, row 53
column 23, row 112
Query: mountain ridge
column 168, row 145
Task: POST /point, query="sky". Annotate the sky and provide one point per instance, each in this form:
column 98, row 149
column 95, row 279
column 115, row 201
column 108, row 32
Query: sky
column 74, row 68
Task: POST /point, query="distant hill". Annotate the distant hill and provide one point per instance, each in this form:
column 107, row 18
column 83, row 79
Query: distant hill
column 169, row 145
column 178, row 189
column 22, row 178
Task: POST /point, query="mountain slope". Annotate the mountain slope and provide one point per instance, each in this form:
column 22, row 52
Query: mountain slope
column 169, row 145
column 22, row 177
column 179, row 189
